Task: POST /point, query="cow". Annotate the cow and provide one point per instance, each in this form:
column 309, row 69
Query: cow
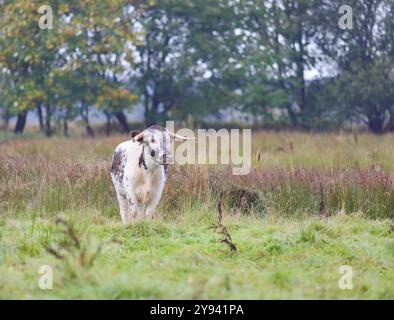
column 139, row 171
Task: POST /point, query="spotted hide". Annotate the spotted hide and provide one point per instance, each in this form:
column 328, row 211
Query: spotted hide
column 139, row 171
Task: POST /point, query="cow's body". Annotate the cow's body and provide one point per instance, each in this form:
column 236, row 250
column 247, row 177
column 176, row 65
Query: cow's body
column 138, row 184
column 139, row 171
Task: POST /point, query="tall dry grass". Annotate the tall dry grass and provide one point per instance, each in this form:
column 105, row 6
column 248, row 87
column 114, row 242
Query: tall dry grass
column 285, row 191
column 297, row 173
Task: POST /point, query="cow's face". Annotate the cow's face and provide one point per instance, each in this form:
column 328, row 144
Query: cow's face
column 156, row 145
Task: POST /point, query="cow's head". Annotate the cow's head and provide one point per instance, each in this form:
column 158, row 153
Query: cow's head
column 156, row 145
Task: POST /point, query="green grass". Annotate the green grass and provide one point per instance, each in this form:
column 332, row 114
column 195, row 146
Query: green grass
column 277, row 258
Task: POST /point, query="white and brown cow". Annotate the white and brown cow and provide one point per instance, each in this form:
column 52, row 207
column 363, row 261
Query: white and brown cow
column 139, row 171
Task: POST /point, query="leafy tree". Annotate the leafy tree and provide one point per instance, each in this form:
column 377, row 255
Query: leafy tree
column 275, row 38
column 67, row 67
column 99, row 38
column 26, row 54
column 365, row 60
column 197, row 58
column 182, row 54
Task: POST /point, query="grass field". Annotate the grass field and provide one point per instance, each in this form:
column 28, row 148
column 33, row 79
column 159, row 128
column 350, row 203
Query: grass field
column 313, row 203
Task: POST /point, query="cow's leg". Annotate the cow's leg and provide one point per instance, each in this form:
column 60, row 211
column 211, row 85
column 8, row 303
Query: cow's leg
column 122, row 199
column 150, row 211
column 123, row 206
column 132, row 212
column 140, row 211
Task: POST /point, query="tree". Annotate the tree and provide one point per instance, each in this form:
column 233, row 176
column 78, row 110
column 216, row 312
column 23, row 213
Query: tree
column 275, row 38
column 365, row 60
column 31, row 57
column 6, row 102
column 101, row 56
column 177, row 69
column 64, row 69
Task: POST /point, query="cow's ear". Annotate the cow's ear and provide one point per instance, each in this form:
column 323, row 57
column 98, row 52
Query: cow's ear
column 134, row 133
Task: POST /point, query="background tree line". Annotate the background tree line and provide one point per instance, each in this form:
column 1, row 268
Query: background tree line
column 181, row 60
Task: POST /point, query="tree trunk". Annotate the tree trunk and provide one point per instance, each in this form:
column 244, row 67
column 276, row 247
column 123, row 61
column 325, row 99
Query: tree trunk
column 108, row 126
column 375, row 124
column 89, row 130
column 302, row 93
column 301, row 87
column 301, row 77
column 149, row 113
column 20, row 122
column 40, row 117
column 151, row 116
column 390, row 125
column 293, row 116
column 65, row 128
column 123, row 121
column 6, row 119
column 85, row 117
column 48, row 126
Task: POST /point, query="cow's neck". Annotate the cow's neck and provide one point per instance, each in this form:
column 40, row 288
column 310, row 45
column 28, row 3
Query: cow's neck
column 141, row 160
column 152, row 167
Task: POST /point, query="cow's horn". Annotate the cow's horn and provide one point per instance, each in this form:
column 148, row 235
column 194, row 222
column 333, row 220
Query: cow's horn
column 139, row 136
column 179, row 136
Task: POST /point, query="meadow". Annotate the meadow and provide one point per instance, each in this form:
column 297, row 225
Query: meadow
column 312, row 203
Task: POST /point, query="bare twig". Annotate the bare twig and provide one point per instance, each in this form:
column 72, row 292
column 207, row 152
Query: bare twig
column 53, row 252
column 222, row 229
column 220, row 212
column 74, row 245
column 322, row 203
column 69, row 231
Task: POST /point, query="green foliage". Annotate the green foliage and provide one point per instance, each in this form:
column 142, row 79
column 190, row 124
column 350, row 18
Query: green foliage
column 70, row 67
column 365, row 60
column 187, row 60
